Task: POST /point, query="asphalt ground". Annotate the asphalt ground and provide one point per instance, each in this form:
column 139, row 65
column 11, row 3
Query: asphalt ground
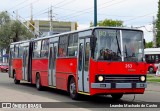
column 26, row 92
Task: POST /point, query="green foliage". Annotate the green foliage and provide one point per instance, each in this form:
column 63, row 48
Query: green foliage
column 158, row 25
column 109, row 22
column 11, row 31
column 149, row 45
column 4, row 18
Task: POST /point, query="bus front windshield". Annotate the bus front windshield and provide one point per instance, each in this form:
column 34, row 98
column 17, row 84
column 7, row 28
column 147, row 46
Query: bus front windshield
column 118, row 45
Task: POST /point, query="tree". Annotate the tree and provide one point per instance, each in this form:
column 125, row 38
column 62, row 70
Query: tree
column 149, row 44
column 11, row 31
column 4, row 18
column 109, row 22
column 158, row 26
column 19, row 32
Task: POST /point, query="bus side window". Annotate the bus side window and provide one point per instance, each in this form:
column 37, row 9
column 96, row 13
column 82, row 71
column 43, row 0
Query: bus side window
column 73, row 45
column 16, row 50
column 36, row 49
column 63, row 44
column 45, row 48
column 12, row 52
column 20, row 50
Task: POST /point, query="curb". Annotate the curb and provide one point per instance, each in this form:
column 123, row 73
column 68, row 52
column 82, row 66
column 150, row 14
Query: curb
column 153, row 82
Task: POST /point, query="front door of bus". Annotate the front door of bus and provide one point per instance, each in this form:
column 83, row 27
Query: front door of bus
column 52, row 64
column 83, row 65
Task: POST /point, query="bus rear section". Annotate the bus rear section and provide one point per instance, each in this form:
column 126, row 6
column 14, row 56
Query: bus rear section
column 152, row 57
column 19, row 61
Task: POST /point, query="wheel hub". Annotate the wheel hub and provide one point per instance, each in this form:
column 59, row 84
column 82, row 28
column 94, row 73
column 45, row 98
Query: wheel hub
column 73, row 88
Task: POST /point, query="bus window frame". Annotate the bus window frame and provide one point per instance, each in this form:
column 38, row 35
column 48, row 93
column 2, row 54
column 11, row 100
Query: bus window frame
column 33, row 55
column 41, row 50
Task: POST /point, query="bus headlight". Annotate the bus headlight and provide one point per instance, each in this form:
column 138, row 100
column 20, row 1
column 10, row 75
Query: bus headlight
column 100, row 78
column 142, row 78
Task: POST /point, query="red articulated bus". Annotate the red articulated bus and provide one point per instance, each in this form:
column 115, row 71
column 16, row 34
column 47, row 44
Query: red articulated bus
column 95, row 61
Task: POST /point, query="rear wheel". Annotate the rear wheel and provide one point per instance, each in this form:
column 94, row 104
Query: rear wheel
column 116, row 96
column 38, row 82
column 151, row 70
column 73, row 89
column 15, row 80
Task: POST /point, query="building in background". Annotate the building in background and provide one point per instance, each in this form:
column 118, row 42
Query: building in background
column 57, row 26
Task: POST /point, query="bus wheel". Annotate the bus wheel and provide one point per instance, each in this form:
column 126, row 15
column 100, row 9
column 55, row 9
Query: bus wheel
column 15, row 80
column 116, row 96
column 72, row 89
column 38, row 82
column 150, row 69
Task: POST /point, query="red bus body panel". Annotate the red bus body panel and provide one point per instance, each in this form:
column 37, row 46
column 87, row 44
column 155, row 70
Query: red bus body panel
column 64, row 68
column 115, row 68
column 17, row 66
column 40, row 66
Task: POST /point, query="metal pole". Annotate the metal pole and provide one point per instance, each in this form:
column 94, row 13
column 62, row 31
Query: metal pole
column 154, row 33
column 51, row 19
column 95, row 13
column 31, row 12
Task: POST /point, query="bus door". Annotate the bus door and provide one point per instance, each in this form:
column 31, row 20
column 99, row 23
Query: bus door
column 52, row 63
column 83, row 65
column 25, row 63
column 11, row 54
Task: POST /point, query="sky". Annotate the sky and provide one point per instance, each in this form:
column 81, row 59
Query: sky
column 135, row 13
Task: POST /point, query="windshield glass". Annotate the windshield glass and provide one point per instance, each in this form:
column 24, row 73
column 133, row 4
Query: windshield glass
column 108, row 45
column 132, row 45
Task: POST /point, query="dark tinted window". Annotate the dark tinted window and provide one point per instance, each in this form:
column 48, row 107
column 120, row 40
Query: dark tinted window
column 36, row 49
column 45, row 47
column 73, row 45
column 20, row 50
column 63, row 44
column 16, row 50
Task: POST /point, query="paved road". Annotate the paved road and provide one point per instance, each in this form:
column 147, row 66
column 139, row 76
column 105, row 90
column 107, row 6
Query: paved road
column 26, row 92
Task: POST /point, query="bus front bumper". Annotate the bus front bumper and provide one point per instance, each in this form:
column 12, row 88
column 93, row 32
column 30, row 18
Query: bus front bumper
column 118, row 85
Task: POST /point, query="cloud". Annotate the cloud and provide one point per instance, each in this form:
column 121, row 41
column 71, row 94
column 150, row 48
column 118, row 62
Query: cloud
column 83, row 26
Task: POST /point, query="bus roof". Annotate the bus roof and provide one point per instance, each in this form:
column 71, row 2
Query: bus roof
column 70, row 32
column 87, row 29
column 152, row 51
column 20, row 42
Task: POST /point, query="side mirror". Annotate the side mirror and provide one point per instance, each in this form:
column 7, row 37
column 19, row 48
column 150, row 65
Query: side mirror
column 93, row 41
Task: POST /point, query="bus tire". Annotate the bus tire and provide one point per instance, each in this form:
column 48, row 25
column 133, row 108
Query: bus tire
column 38, row 82
column 73, row 89
column 116, row 96
column 151, row 70
column 15, row 80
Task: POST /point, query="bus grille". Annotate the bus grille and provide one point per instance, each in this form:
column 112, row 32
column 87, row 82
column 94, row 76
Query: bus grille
column 121, row 78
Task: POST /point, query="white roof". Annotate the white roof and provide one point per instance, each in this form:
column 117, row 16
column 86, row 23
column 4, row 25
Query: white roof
column 152, row 51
